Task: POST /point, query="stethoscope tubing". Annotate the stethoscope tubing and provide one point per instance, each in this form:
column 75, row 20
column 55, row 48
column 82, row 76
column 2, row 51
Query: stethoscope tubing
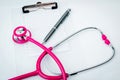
column 38, row 68
column 47, row 51
column 104, row 38
column 63, row 75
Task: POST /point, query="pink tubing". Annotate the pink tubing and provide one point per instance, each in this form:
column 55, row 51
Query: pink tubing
column 34, row 73
column 54, row 57
column 23, row 38
column 39, row 71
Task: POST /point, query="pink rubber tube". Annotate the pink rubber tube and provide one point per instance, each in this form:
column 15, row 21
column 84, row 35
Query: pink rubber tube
column 34, row 73
column 23, row 38
column 39, row 71
column 53, row 56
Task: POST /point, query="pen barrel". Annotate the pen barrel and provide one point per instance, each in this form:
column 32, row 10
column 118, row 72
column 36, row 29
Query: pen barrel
column 49, row 34
column 62, row 18
column 57, row 25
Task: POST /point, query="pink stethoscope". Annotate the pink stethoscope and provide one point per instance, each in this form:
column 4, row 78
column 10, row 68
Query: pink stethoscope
column 22, row 35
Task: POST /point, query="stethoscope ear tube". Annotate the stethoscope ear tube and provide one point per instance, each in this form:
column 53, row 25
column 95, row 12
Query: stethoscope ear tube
column 104, row 38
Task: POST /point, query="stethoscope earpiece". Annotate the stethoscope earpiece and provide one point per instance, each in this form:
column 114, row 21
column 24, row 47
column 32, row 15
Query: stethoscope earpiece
column 20, row 35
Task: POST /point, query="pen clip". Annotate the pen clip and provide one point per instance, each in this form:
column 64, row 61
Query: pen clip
column 38, row 5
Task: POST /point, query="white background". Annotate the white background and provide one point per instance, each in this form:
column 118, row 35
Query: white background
column 17, row 59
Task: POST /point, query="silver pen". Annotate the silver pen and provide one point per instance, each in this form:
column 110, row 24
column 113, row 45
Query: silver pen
column 56, row 25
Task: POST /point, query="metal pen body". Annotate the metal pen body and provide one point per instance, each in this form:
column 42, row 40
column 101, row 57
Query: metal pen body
column 56, row 25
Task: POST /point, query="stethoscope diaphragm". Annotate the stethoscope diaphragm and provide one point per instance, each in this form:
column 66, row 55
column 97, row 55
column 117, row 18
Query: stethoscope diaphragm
column 21, row 34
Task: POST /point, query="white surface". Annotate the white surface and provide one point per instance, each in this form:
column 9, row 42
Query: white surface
column 18, row 59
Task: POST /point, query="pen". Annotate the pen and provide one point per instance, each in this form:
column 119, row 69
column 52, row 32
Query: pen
column 56, row 25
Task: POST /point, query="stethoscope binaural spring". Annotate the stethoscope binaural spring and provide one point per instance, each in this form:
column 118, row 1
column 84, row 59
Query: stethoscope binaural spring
column 104, row 38
column 22, row 35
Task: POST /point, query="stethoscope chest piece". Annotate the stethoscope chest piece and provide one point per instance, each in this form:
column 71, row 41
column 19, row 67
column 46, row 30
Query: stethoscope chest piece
column 20, row 35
